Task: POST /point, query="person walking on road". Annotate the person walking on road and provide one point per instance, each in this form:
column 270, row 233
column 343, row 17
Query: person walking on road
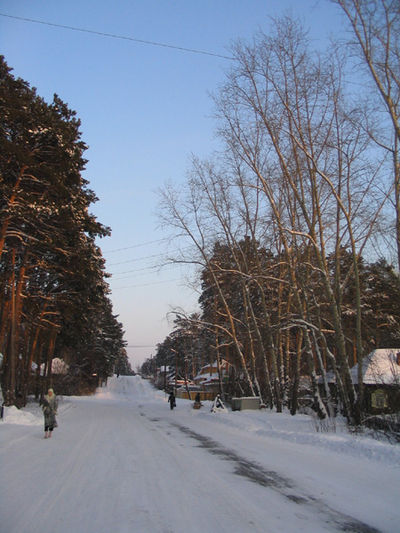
column 172, row 401
column 197, row 401
column 49, row 408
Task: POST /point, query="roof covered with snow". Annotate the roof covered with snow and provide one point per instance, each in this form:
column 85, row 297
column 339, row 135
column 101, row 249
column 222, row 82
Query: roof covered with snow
column 207, row 372
column 380, row 367
column 58, row 366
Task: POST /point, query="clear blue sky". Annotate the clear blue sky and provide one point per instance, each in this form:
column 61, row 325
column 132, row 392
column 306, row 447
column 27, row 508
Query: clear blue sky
column 144, row 110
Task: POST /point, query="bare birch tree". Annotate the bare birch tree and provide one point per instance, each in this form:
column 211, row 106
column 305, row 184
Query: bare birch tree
column 283, row 114
column 375, row 29
column 189, row 214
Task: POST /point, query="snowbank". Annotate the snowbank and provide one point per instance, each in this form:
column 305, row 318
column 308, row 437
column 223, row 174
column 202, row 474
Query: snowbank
column 24, row 417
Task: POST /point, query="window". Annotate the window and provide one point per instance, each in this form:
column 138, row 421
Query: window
column 379, row 399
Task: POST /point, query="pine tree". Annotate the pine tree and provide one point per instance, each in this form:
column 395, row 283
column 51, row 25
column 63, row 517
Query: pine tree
column 51, row 271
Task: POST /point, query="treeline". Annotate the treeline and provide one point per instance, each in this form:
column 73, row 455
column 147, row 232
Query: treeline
column 53, row 288
column 267, row 347
column 293, row 223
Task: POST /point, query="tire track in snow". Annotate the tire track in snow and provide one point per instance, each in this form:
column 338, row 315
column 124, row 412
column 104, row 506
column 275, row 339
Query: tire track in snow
column 255, row 473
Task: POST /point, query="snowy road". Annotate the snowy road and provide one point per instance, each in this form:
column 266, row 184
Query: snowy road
column 121, row 461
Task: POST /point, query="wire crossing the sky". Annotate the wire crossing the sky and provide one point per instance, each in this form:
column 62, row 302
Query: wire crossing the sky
column 165, row 239
column 115, row 36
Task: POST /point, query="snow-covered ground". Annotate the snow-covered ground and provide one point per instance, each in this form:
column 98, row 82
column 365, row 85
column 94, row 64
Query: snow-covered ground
column 122, row 462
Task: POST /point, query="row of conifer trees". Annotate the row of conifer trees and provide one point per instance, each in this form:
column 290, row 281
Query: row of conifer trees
column 53, row 289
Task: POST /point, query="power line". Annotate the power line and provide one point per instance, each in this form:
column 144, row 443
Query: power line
column 134, row 260
column 136, row 245
column 116, row 36
column 146, row 284
column 143, row 272
column 162, row 254
column 144, row 269
column 141, row 346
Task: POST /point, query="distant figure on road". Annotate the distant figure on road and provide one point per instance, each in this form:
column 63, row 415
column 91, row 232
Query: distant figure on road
column 49, row 410
column 171, row 399
column 197, row 401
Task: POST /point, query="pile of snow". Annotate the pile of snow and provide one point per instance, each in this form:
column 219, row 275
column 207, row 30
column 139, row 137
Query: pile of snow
column 24, row 417
column 305, row 430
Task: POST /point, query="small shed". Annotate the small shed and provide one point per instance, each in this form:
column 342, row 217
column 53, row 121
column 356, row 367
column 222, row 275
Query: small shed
column 246, row 402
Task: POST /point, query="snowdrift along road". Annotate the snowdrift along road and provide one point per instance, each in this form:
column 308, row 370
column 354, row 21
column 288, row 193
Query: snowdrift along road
column 121, row 461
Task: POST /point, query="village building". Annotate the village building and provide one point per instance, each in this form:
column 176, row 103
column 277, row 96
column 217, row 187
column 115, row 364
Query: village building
column 381, row 379
column 209, row 377
column 206, row 383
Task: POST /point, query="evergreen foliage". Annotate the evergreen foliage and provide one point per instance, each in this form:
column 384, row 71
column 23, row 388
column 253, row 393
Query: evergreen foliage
column 53, row 290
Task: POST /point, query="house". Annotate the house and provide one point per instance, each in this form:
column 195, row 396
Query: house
column 58, row 366
column 164, row 375
column 208, row 375
column 381, row 379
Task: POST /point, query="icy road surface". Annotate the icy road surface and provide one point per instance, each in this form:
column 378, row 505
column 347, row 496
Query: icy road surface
column 122, row 462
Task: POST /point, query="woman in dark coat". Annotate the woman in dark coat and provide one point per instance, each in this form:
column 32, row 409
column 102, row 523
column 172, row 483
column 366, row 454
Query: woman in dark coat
column 197, row 401
column 171, row 399
column 49, row 410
